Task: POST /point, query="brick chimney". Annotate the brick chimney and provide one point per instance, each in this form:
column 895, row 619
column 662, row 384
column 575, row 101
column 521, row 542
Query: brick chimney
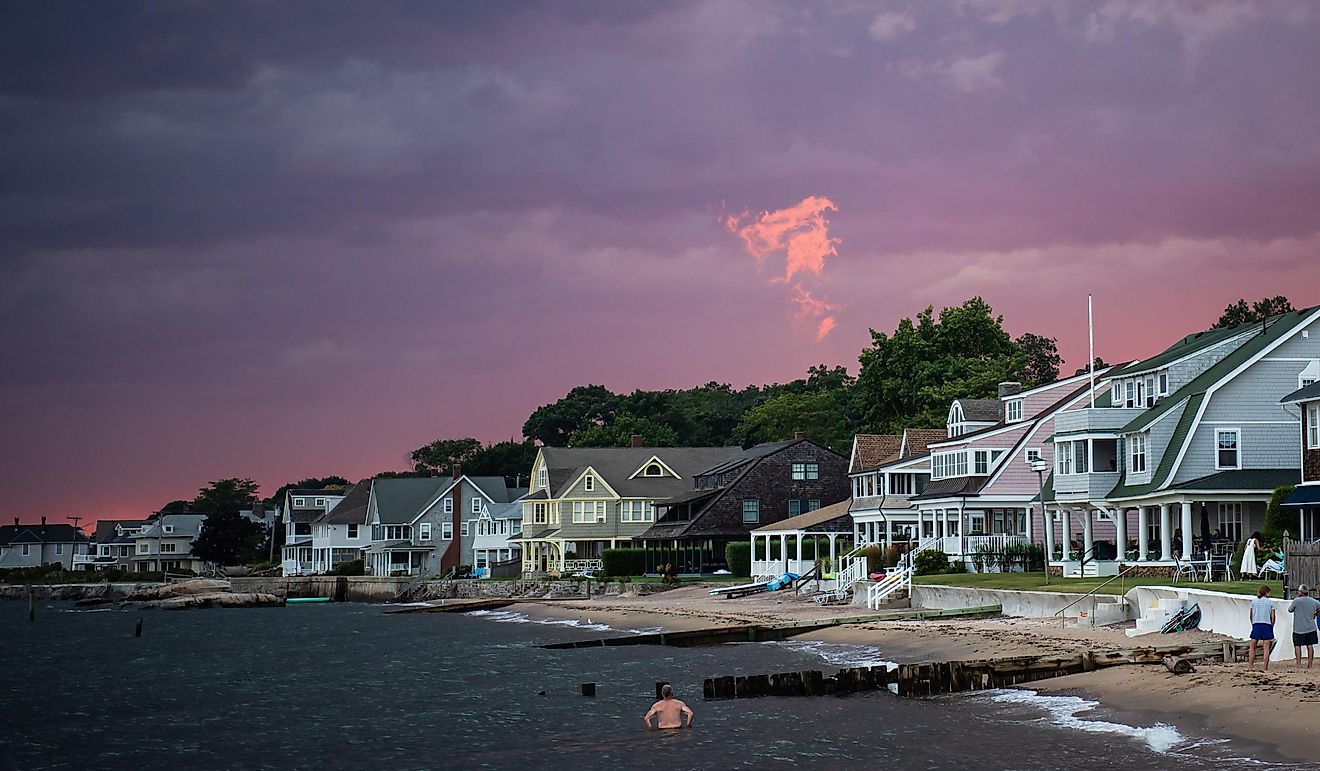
column 637, row 440
column 15, row 521
column 1008, row 388
column 43, row 521
column 798, row 435
column 457, row 471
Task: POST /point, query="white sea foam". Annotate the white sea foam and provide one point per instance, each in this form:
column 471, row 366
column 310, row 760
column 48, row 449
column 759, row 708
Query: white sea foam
column 511, row 617
column 1064, row 711
column 838, row 654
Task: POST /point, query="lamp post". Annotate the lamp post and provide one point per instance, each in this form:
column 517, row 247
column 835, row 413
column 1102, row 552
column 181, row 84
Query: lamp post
column 1039, row 466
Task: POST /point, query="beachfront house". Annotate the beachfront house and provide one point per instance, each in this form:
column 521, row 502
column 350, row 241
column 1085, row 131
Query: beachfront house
column 299, row 509
column 343, row 533
column 489, row 537
column 1305, row 499
column 34, row 545
column 886, row 471
column 1192, row 440
column 798, row 544
column 166, row 544
column 981, row 483
column 112, row 545
column 417, row 524
column 761, row 485
column 584, row 500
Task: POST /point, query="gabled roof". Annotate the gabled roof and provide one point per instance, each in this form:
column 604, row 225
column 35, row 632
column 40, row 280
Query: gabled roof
column 497, row 489
column 352, row 510
column 185, row 526
column 399, row 500
column 615, row 464
column 835, row 514
column 980, row 410
column 40, row 534
column 1180, row 432
column 917, row 440
column 1307, row 394
column 106, row 528
column 874, row 450
column 1188, row 346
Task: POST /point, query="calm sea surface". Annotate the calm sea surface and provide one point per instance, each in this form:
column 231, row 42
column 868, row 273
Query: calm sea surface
column 346, row 686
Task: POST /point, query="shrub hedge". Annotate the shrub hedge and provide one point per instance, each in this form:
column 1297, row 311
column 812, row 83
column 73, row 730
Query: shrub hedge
column 738, row 555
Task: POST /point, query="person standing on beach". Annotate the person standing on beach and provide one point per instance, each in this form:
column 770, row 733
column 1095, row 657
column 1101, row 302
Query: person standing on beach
column 1262, row 626
column 668, row 711
column 1304, row 609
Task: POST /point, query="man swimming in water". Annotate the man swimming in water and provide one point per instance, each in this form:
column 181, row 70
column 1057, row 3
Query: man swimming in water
column 668, row 711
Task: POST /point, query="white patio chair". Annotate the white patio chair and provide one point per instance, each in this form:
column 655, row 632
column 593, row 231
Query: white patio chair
column 1186, row 568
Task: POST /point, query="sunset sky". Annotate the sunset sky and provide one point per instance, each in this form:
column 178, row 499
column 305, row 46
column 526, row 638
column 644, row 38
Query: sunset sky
column 295, row 239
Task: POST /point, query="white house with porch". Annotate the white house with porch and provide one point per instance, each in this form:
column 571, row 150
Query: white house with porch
column 1186, row 444
column 886, row 471
column 794, row 545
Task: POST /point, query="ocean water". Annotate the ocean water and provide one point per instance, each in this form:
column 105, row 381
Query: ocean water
column 348, row 686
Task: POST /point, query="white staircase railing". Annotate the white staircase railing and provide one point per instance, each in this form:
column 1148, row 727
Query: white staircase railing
column 853, row 571
column 896, row 579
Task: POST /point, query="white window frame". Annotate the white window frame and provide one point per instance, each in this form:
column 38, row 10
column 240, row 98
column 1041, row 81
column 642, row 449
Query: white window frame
column 168, row 528
column 1230, row 520
column 1137, row 449
column 169, row 548
column 1032, row 454
column 755, row 510
column 1116, row 394
column 589, row 483
column 813, row 504
column 446, row 531
column 476, row 505
column 636, row 511
column 1063, row 458
column 1313, row 426
column 1164, row 383
column 542, row 478
column 1237, row 447
column 424, row 531
column 447, row 505
column 1129, row 393
column 1013, row 410
column 320, row 502
column 588, row 512
column 465, row 528
column 353, row 530
column 1150, row 391
column 659, row 471
column 794, row 507
column 299, row 502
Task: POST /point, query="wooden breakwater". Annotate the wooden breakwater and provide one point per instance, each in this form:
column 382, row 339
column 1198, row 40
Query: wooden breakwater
column 781, row 630
column 956, row 676
column 460, row 606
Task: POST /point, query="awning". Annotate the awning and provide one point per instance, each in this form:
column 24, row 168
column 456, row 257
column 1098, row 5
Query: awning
column 1305, row 495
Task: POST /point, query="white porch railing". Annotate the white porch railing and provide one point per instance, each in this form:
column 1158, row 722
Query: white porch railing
column 582, row 566
column 963, row 545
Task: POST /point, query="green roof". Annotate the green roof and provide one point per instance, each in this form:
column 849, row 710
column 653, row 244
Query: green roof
column 1180, row 432
column 1273, row 328
column 1244, row 479
column 1185, row 347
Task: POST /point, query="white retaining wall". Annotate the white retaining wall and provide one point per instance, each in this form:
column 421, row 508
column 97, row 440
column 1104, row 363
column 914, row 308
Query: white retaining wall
column 1226, row 614
column 1024, row 604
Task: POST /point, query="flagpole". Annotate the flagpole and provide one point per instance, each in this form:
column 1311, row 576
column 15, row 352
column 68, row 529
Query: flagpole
column 1090, row 330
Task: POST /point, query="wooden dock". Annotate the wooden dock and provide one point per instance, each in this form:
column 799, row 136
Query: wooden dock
column 956, row 676
column 767, row 632
column 460, row 606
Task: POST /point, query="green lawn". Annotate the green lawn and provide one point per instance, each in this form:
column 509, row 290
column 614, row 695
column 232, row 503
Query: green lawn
column 1035, row 582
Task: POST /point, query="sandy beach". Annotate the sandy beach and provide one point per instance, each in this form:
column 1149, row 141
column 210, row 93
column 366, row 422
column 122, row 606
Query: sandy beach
column 1270, row 715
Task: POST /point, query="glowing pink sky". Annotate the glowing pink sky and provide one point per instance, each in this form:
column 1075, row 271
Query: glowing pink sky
column 310, row 250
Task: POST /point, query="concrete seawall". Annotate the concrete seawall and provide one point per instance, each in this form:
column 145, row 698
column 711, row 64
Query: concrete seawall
column 1024, row 604
column 1226, row 614
column 383, row 589
column 73, row 592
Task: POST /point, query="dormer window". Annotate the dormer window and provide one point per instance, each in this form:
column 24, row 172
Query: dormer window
column 1129, row 393
column 653, row 470
column 1013, row 410
column 1164, row 384
column 542, row 478
column 589, row 483
column 320, row 502
column 299, row 501
column 168, row 528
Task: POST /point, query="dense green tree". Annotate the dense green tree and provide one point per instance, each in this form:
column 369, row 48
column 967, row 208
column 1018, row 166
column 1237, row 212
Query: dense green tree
column 175, row 507
column 442, row 455
column 822, row 416
column 227, row 537
column 511, row 460
column 620, row 432
column 583, row 406
column 909, row 378
column 1242, row 313
column 1043, row 358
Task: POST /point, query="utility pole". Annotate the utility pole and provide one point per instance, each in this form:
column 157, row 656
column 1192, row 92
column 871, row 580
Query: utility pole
column 74, row 548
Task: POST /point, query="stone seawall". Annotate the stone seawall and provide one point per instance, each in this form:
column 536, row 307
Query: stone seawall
column 73, row 592
column 384, row 589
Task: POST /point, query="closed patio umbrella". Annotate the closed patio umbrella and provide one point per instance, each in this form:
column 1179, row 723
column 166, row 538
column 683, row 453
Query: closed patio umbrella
column 1205, row 529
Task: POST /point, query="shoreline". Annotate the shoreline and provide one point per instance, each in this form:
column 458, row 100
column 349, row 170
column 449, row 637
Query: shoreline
column 1257, row 712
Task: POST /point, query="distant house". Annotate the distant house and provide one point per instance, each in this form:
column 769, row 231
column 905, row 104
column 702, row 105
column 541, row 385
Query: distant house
column 584, row 500
column 298, row 511
column 1306, row 498
column 754, row 487
column 343, row 533
column 112, row 545
column 26, row 546
column 166, row 544
column 887, row 470
column 417, row 523
column 489, row 536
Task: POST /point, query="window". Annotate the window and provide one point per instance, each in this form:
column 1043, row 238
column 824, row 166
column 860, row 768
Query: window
column 1150, row 390
column 653, row 470
column 803, row 471
column 813, row 504
column 1164, row 384
column 299, row 501
column 1129, row 393
column 1081, row 457
column 539, row 514
column 589, row 483
column 424, row 532
column 169, row 548
column 1313, row 426
column 636, row 511
column 949, row 464
column 448, row 506
column 900, row 484
column 320, row 502
column 1063, row 458
column 751, row 510
column 1033, row 454
column 446, row 531
column 794, row 508
column 59, row 548
column 857, row 487
column 352, row 531
column 168, row 528
column 1137, row 455
column 466, row 528
column 1116, row 394
column 476, row 505
column 517, row 527
column 588, row 512
column 1226, row 448
column 1230, row 521
column 542, row 478
column 1013, row 410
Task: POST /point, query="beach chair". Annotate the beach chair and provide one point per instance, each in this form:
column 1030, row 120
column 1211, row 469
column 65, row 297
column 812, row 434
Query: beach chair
column 1188, row 568
column 1273, row 565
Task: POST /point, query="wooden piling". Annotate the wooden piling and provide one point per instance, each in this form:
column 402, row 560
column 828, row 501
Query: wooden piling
column 137, row 628
column 588, row 689
column 32, row 605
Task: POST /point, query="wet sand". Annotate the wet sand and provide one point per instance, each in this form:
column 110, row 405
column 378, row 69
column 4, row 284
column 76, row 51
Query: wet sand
column 1273, row 715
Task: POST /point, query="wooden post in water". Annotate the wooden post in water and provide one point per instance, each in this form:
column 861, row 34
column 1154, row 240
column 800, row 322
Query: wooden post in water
column 588, row 689
column 32, row 605
column 137, row 628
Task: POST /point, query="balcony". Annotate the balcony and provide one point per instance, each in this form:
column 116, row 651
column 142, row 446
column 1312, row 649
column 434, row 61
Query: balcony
column 1095, row 419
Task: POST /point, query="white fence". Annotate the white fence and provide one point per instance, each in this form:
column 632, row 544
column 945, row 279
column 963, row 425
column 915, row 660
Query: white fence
column 966, row 545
